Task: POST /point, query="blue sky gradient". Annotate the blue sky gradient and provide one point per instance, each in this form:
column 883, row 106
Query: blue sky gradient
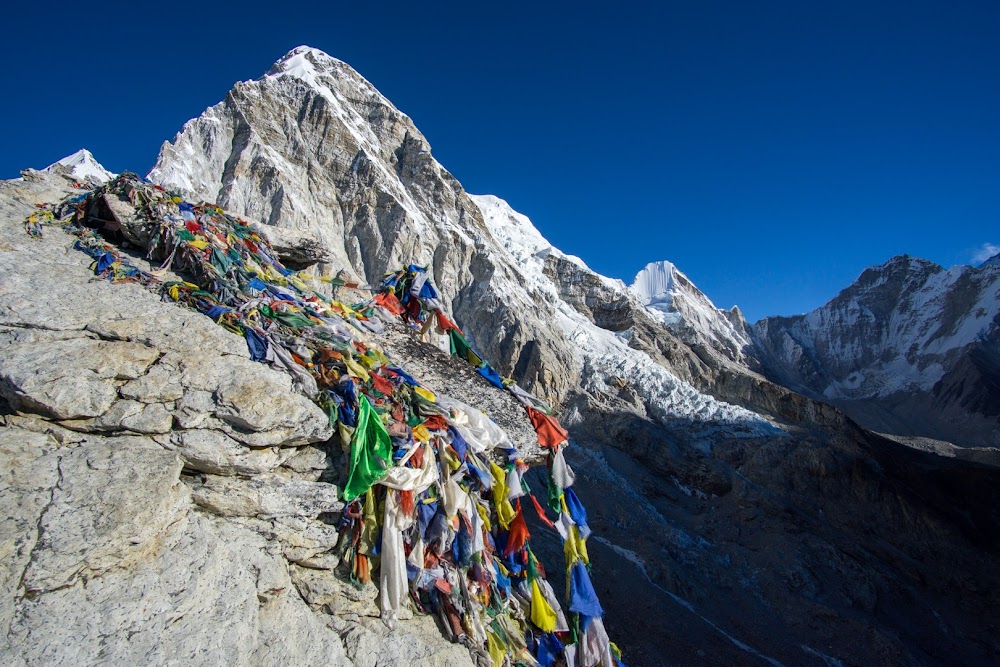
column 770, row 150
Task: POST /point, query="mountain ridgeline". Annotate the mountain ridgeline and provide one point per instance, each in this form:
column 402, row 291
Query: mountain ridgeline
column 745, row 506
column 910, row 348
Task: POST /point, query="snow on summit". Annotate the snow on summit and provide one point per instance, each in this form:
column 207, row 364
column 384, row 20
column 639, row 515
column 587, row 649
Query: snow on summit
column 671, row 298
column 654, row 285
column 83, row 166
column 301, row 63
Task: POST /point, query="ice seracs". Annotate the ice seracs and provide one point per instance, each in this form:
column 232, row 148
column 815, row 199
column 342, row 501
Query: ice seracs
column 654, row 286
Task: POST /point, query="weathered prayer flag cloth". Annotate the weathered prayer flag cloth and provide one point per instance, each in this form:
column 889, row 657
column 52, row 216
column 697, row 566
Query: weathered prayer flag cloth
column 371, row 451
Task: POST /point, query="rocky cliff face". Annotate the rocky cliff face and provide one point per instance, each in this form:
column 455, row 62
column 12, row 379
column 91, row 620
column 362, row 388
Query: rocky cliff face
column 738, row 522
column 910, row 348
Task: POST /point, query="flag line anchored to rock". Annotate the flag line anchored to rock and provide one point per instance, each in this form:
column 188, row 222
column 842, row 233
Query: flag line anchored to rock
column 434, row 487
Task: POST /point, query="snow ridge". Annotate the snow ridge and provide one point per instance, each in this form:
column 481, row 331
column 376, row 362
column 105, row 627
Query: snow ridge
column 672, row 299
column 899, row 327
column 83, row 166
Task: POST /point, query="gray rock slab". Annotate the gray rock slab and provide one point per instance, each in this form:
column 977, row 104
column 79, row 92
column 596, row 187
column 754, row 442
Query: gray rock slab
column 265, row 496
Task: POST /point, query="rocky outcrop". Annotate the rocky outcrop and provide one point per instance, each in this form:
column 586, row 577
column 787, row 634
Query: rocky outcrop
column 910, row 348
column 161, row 492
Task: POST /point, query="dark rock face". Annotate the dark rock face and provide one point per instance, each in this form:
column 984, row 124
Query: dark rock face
column 584, row 291
column 788, row 549
column 910, row 349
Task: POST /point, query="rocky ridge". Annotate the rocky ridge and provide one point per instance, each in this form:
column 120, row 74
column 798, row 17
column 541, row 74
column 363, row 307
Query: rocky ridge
column 644, row 397
column 159, row 480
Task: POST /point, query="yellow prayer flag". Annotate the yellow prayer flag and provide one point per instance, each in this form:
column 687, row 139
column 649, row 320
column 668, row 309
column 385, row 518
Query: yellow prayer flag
column 542, row 614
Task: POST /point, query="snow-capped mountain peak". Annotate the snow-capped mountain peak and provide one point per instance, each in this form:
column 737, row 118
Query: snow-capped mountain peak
column 305, row 63
column 83, row 166
column 655, row 284
column 671, row 298
column 907, row 328
column 992, row 261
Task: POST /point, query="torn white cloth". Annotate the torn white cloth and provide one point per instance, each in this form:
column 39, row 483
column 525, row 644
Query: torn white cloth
column 595, row 649
column 393, row 587
column 514, row 487
column 479, row 432
column 563, row 523
column 453, row 497
column 412, row 479
column 562, row 475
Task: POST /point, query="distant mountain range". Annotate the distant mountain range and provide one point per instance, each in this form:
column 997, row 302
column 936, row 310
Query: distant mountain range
column 910, row 348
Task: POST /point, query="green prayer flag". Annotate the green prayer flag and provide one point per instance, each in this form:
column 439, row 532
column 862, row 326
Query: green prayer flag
column 532, row 565
column 555, row 495
column 221, row 261
column 459, row 346
column 288, row 319
column 371, row 451
column 293, row 319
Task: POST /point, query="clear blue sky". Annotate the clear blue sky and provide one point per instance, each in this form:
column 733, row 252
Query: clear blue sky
column 771, row 150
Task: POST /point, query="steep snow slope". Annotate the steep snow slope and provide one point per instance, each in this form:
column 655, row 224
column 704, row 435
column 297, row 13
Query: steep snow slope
column 602, row 355
column 83, row 166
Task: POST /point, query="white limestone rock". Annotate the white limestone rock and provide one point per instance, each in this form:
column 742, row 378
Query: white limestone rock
column 69, row 379
column 216, row 453
column 114, row 499
column 265, row 496
column 324, row 588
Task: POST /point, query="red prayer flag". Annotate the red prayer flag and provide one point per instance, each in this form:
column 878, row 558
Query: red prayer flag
column 518, row 535
column 541, row 512
column 381, row 384
column 550, row 432
column 445, row 323
column 389, row 301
